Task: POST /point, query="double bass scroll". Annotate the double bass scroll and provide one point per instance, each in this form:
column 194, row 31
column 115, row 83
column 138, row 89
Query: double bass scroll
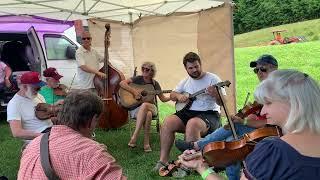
column 113, row 115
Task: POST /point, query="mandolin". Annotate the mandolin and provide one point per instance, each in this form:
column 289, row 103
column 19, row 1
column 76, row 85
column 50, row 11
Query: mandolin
column 191, row 97
column 147, row 92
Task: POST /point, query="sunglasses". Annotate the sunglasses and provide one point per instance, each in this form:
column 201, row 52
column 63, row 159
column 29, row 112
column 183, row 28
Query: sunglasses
column 146, row 69
column 262, row 69
column 87, row 38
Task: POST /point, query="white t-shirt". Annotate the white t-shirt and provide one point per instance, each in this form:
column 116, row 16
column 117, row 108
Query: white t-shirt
column 23, row 109
column 2, row 71
column 203, row 102
column 90, row 58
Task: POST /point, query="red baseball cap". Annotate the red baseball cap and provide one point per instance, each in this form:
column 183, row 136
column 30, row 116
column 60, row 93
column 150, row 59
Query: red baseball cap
column 52, row 72
column 31, row 78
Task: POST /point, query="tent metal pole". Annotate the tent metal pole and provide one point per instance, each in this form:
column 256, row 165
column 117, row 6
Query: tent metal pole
column 17, row 3
column 74, row 10
column 188, row 2
column 93, row 6
column 128, row 7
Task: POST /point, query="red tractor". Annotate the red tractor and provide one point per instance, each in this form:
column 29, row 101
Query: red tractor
column 286, row 40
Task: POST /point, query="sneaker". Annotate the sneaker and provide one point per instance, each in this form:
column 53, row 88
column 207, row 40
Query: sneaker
column 183, row 145
column 180, row 173
column 159, row 165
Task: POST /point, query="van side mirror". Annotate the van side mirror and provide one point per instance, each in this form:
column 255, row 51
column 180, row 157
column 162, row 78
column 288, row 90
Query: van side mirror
column 71, row 52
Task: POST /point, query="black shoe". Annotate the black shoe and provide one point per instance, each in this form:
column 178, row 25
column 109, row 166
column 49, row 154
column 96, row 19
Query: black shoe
column 183, row 145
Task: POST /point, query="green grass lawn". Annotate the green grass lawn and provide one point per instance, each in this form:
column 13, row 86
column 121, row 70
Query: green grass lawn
column 309, row 29
column 136, row 163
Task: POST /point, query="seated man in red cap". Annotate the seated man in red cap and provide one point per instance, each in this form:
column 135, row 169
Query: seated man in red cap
column 21, row 109
column 53, row 91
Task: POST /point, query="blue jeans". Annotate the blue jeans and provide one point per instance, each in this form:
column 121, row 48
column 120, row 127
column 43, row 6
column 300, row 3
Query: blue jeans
column 221, row 134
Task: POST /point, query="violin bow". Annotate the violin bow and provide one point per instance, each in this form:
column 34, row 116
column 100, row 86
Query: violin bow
column 247, row 98
column 233, row 130
column 72, row 81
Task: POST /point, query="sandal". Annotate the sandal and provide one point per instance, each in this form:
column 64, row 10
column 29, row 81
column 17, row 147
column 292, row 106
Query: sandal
column 132, row 145
column 147, row 149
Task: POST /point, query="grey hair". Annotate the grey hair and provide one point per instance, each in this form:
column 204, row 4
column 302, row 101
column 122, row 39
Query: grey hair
column 79, row 108
column 152, row 66
column 297, row 89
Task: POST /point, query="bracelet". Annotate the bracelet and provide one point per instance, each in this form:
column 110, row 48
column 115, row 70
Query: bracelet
column 245, row 121
column 206, row 173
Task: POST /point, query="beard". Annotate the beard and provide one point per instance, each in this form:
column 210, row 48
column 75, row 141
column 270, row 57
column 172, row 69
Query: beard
column 30, row 94
column 195, row 75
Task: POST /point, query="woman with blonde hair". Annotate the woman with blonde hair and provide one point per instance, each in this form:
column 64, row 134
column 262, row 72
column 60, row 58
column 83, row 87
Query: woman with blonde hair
column 291, row 100
column 146, row 110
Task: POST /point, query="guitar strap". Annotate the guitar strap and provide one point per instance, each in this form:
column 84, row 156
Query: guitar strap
column 45, row 159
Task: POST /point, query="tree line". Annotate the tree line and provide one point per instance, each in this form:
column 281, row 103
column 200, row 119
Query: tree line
column 251, row 15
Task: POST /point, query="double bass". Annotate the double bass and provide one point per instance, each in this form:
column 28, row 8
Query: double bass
column 113, row 115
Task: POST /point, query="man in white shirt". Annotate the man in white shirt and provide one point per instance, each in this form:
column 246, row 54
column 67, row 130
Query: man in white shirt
column 88, row 60
column 203, row 115
column 21, row 109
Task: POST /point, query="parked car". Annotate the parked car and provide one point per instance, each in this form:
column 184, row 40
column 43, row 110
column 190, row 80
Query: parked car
column 30, row 43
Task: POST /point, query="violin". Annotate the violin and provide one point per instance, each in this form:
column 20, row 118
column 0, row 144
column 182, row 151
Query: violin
column 222, row 154
column 250, row 108
column 174, row 165
column 44, row 111
column 61, row 90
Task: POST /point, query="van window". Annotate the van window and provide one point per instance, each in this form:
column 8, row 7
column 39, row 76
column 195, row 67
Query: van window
column 56, row 47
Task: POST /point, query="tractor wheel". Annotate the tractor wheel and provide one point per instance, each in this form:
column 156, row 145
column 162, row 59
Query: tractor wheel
column 286, row 40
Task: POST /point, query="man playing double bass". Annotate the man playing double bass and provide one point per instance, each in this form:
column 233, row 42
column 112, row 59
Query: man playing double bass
column 202, row 117
column 88, row 60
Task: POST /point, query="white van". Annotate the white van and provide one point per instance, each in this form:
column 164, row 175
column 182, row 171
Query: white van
column 29, row 43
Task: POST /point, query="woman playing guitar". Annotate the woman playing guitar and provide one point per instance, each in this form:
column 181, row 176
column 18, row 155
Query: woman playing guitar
column 146, row 110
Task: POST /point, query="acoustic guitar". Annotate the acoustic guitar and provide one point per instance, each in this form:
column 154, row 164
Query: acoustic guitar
column 147, row 92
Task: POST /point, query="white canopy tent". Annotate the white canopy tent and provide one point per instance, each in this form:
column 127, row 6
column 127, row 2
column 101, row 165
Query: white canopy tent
column 151, row 30
column 117, row 10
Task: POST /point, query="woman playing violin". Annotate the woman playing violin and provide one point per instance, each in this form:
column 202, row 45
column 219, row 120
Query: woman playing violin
column 53, row 91
column 264, row 65
column 291, row 100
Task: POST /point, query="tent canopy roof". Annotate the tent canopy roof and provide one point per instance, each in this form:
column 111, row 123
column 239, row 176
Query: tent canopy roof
column 118, row 10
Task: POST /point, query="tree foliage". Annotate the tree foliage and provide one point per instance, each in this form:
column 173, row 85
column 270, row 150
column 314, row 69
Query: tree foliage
column 251, row 15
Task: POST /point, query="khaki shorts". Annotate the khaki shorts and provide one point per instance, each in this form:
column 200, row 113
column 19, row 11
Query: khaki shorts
column 133, row 113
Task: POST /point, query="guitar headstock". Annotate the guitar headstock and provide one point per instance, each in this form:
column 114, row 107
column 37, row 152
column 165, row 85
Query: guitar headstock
column 223, row 83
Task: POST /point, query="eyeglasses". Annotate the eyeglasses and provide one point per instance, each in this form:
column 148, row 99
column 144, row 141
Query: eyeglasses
column 262, row 69
column 86, row 38
column 35, row 88
column 146, row 69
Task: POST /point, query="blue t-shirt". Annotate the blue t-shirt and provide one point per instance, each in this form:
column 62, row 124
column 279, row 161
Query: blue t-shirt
column 273, row 158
